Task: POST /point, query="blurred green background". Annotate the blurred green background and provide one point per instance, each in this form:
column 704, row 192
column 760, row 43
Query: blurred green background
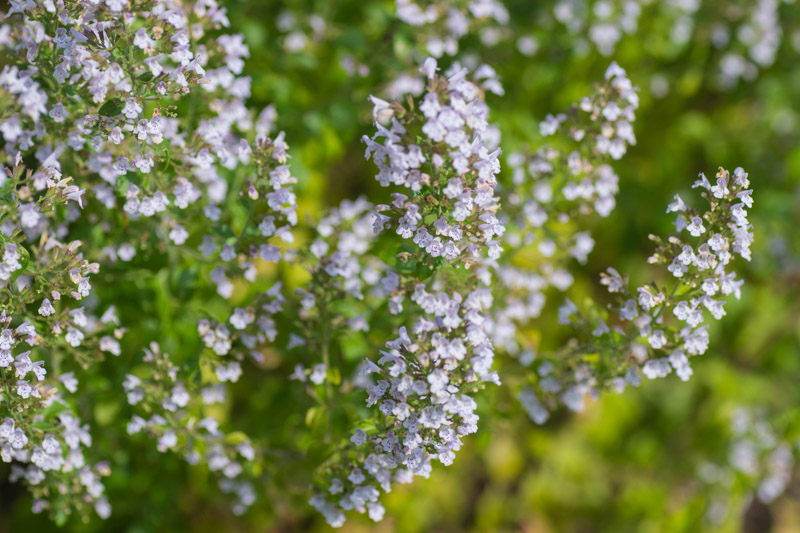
column 629, row 463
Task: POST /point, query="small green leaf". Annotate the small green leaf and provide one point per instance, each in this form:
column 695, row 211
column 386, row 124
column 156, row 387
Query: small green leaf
column 223, row 230
column 111, row 108
column 425, row 270
column 53, row 410
column 334, row 376
column 122, row 185
column 7, row 189
column 388, row 253
column 44, row 426
column 312, row 416
column 236, row 437
column 24, row 260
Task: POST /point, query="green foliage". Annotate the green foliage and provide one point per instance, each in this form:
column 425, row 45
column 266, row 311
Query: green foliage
column 629, row 463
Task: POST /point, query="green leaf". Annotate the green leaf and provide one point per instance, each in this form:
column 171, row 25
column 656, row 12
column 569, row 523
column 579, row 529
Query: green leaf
column 236, row 437
column 24, row 260
column 7, row 189
column 425, row 270
column 313, row 415
column 334, row 376
column 223, row 230
column 53, row 410
column 44, row 425
column 111, row 108
column 121, row 186
column 388, row 253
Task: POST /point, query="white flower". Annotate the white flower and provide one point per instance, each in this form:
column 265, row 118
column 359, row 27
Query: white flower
column 677, row 205
column 126, row 252
column 318, row 374
column 429, row 67
column 29, row 215
column 74, row 337
column 657, row 339
column 240, row 318
column 178, row 235
column 46, row 309
column 656, row 368
column 24, row 389
column 696, row 227
column 359, row 437
column 58, row 113
column 69, row 381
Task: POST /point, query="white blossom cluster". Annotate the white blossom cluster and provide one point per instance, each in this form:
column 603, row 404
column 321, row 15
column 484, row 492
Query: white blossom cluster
column 46, row 452
column 84, row 53
column 42, row 279
column 750, row 42
column 28, row 213
column 345, row 284
column 272, row 213
column 48, row 275
column 179, row 424
column 425, row 378
column 113, row 118
column 445, row 22
column 455, row 158
column 423, row 391
column 656, row 329
column 610, row 113
column 602, row 22
column 302, row 31
column 757, row 453
column 748, row 35
column 551, row 190
column 246, row 330
column 92, row 94
column 344, row 236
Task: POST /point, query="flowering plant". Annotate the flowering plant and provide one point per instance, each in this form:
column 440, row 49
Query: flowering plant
column 377, row 331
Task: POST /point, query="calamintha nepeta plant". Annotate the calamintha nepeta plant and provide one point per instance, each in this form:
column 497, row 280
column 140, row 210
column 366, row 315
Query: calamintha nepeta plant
column 132, row 118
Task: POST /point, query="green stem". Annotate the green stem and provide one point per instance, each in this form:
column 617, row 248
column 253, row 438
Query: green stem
column 326, row 360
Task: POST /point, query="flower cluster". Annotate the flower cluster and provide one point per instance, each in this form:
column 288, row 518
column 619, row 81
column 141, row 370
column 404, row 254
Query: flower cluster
column 99, row 77
column 40, row 435
column 604, row 23
column 449, row 206
column 179, row 424
column 657, row 329
column 750, row 41
column 246, row 330
column 272, row 211
column 424, row 380
column 551, row 190
column 444, row 23
column 747, row 36
column 757, row 453
column 93, row 92
column 301, row 31
column 40, row 272
column 114, row 75
column 423, row 392
column 344, row 288
column 42, row 280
